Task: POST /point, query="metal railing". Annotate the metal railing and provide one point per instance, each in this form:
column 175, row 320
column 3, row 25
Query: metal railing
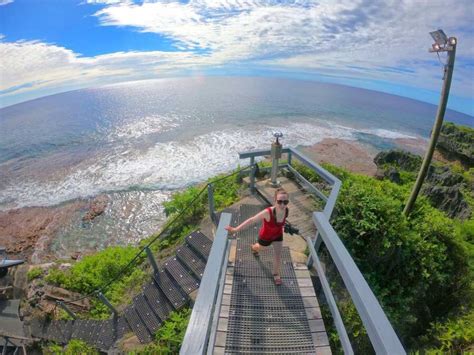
column 380, row 331
column 209, row 297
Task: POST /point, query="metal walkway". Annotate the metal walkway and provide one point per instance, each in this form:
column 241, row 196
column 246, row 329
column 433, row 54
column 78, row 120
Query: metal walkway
column 168, row 291
column 262, row 317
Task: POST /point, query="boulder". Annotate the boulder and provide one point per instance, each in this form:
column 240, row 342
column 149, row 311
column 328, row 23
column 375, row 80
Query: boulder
column 457, row 142
column 96, row 207
column 448, row 199
column 402, row 159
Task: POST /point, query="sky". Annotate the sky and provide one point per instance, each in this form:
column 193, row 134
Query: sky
column 53, row 46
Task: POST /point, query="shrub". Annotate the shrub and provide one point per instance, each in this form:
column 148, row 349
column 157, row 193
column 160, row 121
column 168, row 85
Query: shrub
column 417, row 267
column 169, row 337
column 74, row 347
column 34, row 273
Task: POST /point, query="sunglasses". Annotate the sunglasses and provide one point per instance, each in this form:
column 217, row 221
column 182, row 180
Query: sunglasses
column 285, row 202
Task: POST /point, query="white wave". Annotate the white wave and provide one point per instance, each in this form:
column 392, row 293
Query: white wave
column 167, row 165
column 145, row 126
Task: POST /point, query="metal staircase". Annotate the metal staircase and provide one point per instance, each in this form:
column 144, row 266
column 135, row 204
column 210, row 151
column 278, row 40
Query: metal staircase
column 168, row 290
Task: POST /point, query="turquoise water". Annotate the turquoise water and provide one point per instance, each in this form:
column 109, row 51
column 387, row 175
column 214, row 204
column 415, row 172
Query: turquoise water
column 140, row 141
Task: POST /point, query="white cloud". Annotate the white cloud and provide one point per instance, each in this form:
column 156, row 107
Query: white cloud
column 368, row 40
column 5, row 2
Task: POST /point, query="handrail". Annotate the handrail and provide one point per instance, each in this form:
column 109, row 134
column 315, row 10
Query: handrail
column 198, row 330
column 380, row 331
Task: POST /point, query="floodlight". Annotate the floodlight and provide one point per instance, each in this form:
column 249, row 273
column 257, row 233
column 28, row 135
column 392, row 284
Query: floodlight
column 439, row 37
column 436, row 47
column 452, row 41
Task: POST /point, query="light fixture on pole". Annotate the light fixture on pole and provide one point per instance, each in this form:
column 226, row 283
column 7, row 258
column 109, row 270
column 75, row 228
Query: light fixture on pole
column 442, row 44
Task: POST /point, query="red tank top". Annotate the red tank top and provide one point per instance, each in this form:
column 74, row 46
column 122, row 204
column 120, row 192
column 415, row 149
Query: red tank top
column 272, row 230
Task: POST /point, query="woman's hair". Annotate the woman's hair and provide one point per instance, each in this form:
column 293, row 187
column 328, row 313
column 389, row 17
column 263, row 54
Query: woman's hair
column 279, row 191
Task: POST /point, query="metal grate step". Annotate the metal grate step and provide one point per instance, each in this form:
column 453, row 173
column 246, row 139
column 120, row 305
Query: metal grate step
column 149, row 317
column 59, row 331
column 157, row 301
column 137, row 325
column 170, row 289
column 122, row 327
column 106, row 334
column 192, row 260
column 182, row 276
column 200, row 243
column 79, row 329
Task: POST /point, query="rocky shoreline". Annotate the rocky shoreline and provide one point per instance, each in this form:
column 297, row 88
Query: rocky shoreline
column 27, row 232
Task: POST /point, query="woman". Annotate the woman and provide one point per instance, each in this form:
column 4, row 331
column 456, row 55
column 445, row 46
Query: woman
column 271, row 232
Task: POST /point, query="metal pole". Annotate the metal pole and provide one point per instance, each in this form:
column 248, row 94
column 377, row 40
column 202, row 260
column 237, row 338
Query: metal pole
column 448, row 74
column 66, row 309
column 276, row 154
column 252, row 174
column 210, row 199
column 107, row 303
column 152, row 260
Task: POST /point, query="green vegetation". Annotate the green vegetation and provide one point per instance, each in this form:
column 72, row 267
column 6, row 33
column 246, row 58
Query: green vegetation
column 94, row 272
column 169, row 337
column 419, row 268
column 34, row 273
column 74, row 347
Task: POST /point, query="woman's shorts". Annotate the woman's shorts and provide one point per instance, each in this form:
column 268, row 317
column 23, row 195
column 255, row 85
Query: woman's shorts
column 266, row 243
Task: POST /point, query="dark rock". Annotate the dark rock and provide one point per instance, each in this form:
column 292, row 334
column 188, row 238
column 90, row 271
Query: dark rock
column 379, row 174
column 394, row 176
column 457, row 142
column 448, row 199
column 405, row 160
column 443, row 176
column 96, row 208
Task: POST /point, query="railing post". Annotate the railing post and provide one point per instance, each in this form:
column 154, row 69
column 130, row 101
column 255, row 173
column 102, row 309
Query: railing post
column 210, row 198
column 107, row 303
column 152, row 260
column 253, row 170
column 289, row 158
column 276, row 154
column 66, row 309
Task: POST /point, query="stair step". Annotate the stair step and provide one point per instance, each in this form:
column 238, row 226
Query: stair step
column 137, row 325
column 106, row 337
column 157, row 301
column 170, row 289
column 182, row 276
column 92, row 332
column 59, row 331
column 79, row 329
column 200, row 243
column 191, row 259
column 122, row 327
column 149, row 317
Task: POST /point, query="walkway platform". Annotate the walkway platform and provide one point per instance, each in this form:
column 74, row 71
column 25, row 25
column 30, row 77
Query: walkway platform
column 258, row 317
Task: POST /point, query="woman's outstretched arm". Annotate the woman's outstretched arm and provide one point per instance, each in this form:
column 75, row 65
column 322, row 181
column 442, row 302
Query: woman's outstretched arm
column 248, row 222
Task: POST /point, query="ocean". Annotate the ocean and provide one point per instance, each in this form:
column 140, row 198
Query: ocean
column 139, row 142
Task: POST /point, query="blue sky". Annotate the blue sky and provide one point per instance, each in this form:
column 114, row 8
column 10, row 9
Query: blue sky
column 51, row 46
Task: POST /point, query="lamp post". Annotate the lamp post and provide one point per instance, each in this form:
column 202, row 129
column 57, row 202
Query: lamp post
column 442, row 44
